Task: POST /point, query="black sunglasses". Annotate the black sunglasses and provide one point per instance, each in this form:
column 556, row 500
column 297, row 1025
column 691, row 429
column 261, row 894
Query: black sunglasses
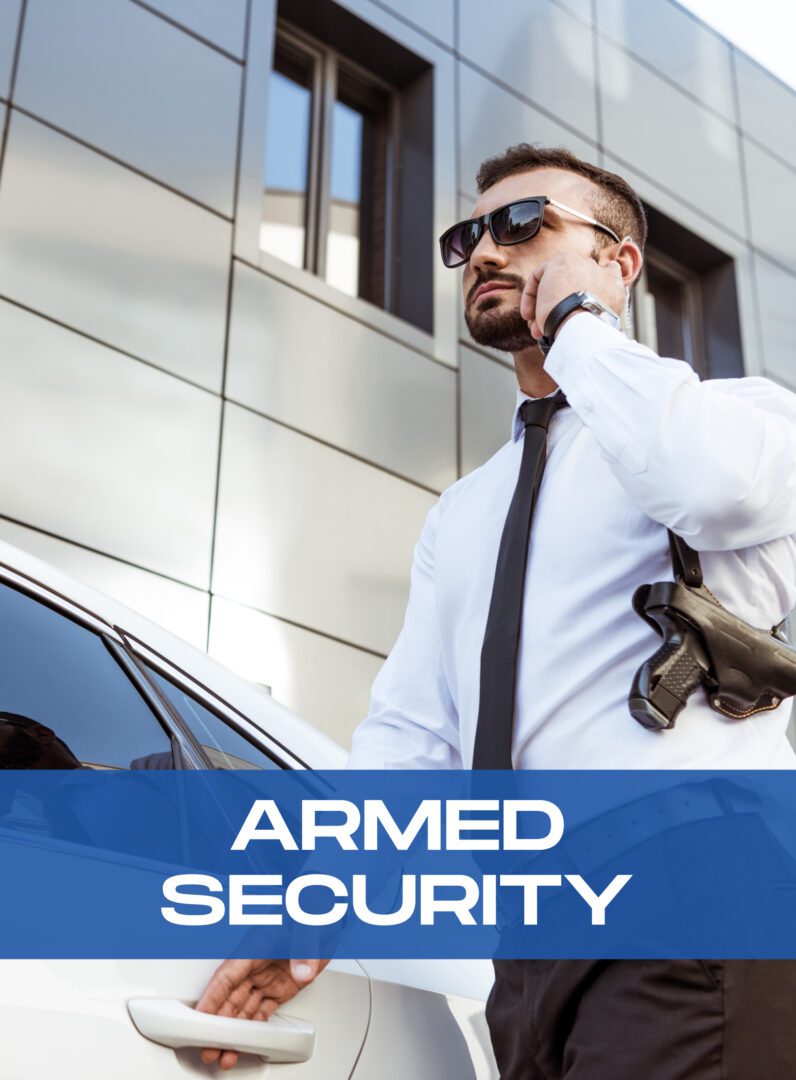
column 509, row 224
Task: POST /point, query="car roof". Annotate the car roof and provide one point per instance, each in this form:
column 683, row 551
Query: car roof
column 299, row 737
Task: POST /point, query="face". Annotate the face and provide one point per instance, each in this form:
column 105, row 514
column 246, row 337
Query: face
column 493, row 317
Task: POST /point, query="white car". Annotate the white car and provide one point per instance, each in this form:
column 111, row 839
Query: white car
column 115, row 688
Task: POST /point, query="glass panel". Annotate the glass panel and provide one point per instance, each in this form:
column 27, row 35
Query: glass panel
column 670, row 316
column 226, row 747
column 64, row 701
column 342, row 251
column 355, row 242
column 286, row 173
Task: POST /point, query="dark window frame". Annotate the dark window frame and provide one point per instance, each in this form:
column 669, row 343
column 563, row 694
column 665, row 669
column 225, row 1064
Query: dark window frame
column 688, row 285
column 709, row 300
column 330, row 68
column 424, row 80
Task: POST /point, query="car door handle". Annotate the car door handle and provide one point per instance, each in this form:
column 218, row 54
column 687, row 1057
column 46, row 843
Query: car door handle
column 174, row 1023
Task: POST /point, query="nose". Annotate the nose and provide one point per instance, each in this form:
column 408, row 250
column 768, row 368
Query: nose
column 488, row 254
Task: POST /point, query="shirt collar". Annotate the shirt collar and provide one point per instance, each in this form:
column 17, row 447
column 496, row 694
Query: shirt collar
column 517, row 426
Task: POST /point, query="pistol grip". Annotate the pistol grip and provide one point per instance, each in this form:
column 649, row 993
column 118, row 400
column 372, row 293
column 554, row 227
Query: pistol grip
column 664, row 683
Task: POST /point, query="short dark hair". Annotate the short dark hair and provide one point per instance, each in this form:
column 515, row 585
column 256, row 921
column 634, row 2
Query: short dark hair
column 614, row 203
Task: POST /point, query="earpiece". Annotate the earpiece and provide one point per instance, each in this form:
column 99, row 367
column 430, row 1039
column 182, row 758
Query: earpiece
column 625, row 316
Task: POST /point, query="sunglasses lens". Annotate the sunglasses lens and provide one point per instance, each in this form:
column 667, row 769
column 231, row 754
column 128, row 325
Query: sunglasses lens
column 458, row 244
column 519, row 221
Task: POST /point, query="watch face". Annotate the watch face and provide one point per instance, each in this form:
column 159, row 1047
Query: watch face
column 591, row 303
column 597, row 307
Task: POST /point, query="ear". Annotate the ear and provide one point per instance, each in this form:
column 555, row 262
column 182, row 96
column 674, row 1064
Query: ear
column 628, row 254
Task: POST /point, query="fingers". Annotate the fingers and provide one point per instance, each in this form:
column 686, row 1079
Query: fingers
column 252, row 990
column 226, row 979
column 250, row 1007
column 267, row 1009
column 229, row 1059
column 227, row 994
column 304, row 971
column 530, row 293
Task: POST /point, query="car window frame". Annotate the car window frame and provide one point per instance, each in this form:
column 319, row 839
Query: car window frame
column 185, row 751
column 132, row 654
column 144, row 655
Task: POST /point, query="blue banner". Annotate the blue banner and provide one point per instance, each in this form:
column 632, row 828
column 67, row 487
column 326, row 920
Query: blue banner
column 396, row 864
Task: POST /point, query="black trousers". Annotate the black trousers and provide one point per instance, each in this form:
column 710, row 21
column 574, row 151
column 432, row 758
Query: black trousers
column 644, row 1019
column 657, row 1019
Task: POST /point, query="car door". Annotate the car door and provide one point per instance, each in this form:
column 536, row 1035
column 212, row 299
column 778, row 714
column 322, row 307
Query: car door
column 72, row 695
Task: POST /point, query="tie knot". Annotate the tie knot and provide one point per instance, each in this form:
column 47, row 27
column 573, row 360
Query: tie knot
column 539, row 411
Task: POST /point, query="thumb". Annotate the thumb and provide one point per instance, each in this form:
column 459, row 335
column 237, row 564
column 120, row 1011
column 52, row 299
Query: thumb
column 304, row 971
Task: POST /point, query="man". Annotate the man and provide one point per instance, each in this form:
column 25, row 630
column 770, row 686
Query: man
column 641, row 447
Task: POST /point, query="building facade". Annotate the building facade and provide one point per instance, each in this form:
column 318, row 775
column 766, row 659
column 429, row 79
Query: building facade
column 235, row 376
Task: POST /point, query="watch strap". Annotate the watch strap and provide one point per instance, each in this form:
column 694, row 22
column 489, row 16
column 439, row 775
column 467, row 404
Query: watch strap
column 585, row 300
column 557, row 315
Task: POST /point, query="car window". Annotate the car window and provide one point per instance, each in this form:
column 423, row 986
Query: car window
column 65, row 703
column 226, row 747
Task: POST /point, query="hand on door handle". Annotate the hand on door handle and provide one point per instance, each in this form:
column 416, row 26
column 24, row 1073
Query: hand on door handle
column 174, row 1023
column 253, row 990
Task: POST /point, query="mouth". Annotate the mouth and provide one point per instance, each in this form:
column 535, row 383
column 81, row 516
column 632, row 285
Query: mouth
column 490, row 287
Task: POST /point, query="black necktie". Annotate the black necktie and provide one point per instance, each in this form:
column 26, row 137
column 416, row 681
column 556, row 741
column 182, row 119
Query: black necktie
column 502, row 636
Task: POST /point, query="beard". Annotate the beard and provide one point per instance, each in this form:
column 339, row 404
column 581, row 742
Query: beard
column 497, row 325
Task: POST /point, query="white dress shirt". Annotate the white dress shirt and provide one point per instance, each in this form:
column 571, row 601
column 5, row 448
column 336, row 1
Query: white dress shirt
column 644, row 446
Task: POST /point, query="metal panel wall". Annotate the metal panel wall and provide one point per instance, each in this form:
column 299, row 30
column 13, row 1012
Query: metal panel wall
column 492, row 119
column 488, row 394
column 332, row 376
column 559, row 78
column 222, row 23
column 107, row 451
column 90, row 243
column 767, row 107
column 777, row 289
column 436, row 19
column 693, row 56
column 180, row 608
column 309, row 534
column 322, row 680
column 9, row 21
column 772, row 184
column 148, row 93
column 667, row 135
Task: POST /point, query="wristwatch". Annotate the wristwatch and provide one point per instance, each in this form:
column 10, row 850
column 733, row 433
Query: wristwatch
column 586, row 300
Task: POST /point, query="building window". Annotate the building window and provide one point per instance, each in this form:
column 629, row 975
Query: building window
column 358, row 221
column 327, row 182
column 348, row 150
column 668, row 310
column 685, row 304
column 283, row 230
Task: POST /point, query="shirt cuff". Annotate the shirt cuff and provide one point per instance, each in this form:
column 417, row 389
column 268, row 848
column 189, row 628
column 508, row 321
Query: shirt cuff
column 576, row 343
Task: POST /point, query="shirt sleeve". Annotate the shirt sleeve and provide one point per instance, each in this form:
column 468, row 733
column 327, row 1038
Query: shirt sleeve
column 412, row 722
column 713, row 461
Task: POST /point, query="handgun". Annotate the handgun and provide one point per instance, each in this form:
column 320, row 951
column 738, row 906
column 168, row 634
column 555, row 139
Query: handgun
column 744, row 670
